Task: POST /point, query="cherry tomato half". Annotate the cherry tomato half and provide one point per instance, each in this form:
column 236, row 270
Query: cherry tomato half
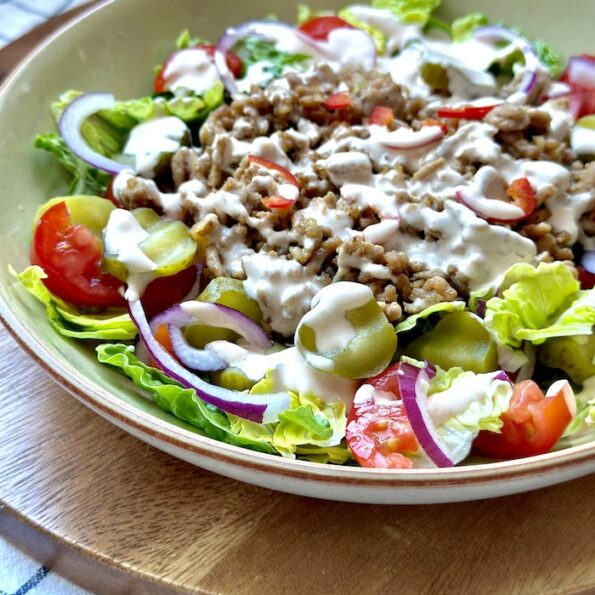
column 160, row 84
column 532, row 424
column 378, row 430
column 70, row 255
column 319, row 28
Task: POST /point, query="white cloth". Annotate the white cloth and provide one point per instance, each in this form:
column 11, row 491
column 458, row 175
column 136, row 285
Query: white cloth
column 20, row 575
column 17, row 17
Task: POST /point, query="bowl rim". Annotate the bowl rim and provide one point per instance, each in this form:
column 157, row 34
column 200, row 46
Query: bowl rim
column 153, row 428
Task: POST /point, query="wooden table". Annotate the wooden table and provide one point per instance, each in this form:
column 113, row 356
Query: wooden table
column 117, row 516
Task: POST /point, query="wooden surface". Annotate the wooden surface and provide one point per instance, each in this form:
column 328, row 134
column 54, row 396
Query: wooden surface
column 117, row 516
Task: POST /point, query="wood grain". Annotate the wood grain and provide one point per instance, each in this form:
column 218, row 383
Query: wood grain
column 117, row 516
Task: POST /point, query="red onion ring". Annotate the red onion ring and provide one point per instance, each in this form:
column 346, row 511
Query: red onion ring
column 581, row 71
column 489, row 208
column 70, row 124
column 411, row 139
column 496, row 33
column 263, row 408
column 413, row 387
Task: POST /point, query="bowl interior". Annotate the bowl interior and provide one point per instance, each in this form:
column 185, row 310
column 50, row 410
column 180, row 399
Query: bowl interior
column 115, row 49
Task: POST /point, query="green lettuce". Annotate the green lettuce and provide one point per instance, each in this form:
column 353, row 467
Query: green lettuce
column 192, row 108
column 442, row 307
column 253, row 50
column 68, row 320
column 310, row 429
column 172, row 397
column 539, row 303
column 462, row 27
column 185, row 40
column 84, row 179
column 549, row 57
column 306, row 13
column 409, row 11
column 582, row 428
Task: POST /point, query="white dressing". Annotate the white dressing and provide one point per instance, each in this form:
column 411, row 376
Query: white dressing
column 190, row 70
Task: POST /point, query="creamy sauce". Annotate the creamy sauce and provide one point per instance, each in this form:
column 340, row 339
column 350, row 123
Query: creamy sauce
column 190, row 70
column 149, row 141
column 462, row 240
column 121, row 239
column 283, row 288
column 289, row 371
column 582, row 140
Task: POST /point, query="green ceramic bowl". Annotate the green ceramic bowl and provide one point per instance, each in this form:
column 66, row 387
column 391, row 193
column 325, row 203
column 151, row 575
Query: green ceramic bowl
column 114, row 48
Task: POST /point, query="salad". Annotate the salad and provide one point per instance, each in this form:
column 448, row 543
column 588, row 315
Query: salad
column 365, row 239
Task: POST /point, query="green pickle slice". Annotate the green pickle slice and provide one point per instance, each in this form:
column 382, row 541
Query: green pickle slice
column 458, row 340
column 169, row 245
column 367, row 353
column 573, row 355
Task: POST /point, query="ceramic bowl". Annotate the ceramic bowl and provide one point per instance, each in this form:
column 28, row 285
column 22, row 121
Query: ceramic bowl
column 114, row 48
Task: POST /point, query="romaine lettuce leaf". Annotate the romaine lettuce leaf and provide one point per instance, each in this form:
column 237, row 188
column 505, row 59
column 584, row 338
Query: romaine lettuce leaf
column 442, row 307
column 549, row 57
column 253, row 50
column 84, row 178
column 470, row 403
column 170, row 396
column 68, row 320
column 462, row 27
column 310, row 429
column 409, row 11
column 539, row 303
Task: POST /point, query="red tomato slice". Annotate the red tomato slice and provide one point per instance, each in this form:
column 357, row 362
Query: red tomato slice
column 164, row 292
column 319, row 28
column 70, row 255
column 581, row 101
column 338, row 101
column 521, row 192
column 381, row 116
column 532, row 424
column 233, row 63
column 262, row 162
column 378, row 430
column 277, row 202
column 465, row 113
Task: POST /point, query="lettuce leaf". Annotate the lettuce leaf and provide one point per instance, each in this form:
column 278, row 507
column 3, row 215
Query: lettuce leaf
column 172, row 397
column 185, row 40
column 68, row 320
column 462, row 27
column 306, row 13
column 582, row 428
column 549, row 57
column 299, row 432
column 192, row 108
column 442, row 307
column 84, row 178
column 409, row 11
column 539, row 303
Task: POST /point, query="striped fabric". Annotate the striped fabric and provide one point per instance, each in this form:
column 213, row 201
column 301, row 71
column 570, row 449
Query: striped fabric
column 17, row 17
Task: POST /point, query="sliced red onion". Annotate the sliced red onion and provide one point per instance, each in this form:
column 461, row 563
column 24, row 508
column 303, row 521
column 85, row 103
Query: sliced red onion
column 489, row 208
column 406, row 139
column 564, row 387
column 480, row 309
column 581, row 71
column 269, row 30
column 70, row 128
column 264, row 408
column 588, row 261
column 498, row 33
column 193, row 358
column 413, row 386
column 229, row 318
